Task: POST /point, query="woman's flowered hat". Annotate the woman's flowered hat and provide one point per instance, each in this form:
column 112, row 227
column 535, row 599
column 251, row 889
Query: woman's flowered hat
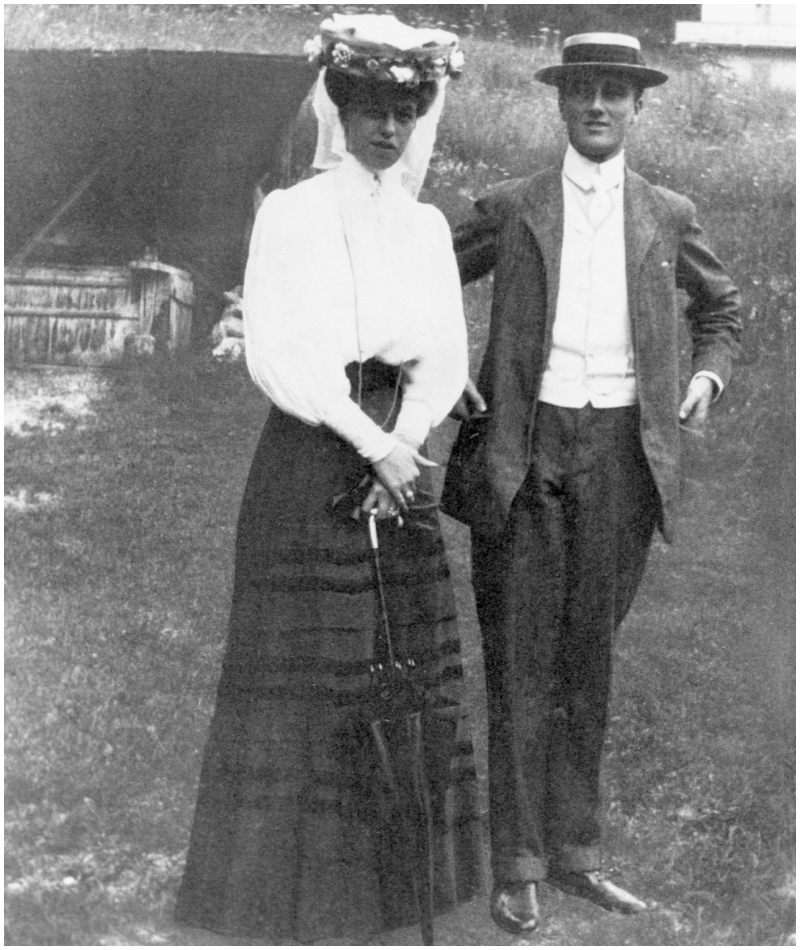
column 608, row 51
column 379, row 46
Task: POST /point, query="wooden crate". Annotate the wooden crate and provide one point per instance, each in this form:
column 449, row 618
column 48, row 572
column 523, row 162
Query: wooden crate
column 81, row 316
column 165, row 297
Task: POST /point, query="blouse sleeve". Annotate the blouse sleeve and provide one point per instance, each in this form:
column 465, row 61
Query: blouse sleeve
column 436, row 379
column 292, row 346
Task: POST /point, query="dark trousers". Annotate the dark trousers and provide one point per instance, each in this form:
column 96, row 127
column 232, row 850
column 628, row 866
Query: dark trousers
column 550, row 594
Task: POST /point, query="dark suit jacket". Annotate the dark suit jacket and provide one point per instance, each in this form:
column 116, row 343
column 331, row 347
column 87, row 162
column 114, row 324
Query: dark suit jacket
column 517, row 231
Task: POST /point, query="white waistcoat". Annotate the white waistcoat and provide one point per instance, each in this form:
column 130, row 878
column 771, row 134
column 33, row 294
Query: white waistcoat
column 591, row 359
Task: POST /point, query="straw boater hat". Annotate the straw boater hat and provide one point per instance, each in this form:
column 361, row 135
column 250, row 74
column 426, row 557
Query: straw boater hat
column 380, row 47
column 608, row 51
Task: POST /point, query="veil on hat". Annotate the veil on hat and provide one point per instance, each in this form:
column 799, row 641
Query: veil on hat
column 416, row 158
column 380, row 47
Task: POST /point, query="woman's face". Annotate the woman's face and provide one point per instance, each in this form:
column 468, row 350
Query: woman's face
column 377, row 134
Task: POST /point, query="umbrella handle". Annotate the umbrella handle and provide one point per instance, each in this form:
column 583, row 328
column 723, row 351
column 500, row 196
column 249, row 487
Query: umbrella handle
column 373, row 530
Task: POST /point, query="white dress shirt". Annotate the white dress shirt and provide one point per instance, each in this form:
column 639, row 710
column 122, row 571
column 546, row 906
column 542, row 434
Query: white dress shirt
column 592, row 357
column 345, row 267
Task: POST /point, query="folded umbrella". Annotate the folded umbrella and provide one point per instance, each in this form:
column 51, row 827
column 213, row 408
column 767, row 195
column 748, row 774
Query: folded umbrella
column 414, row 732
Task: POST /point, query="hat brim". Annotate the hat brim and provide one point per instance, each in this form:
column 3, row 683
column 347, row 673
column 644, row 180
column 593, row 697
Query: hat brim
column 641, row 75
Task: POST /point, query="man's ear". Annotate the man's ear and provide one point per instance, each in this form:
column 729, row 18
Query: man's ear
column 637, row 108
column 561, row 93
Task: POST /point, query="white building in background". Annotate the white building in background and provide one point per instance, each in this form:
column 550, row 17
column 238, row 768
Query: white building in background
column 741, row 24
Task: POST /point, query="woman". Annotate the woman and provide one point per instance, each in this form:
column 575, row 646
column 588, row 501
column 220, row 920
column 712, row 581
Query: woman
column 354, row 329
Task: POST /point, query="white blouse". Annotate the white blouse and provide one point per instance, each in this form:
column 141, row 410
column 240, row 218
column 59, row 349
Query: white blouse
column 345, row 267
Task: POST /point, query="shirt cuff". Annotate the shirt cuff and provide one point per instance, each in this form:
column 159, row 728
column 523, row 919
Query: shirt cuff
column 353, row 425
column 413, row 422
column 714, row 379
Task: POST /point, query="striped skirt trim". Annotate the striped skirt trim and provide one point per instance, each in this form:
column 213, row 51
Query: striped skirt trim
column 294, row 836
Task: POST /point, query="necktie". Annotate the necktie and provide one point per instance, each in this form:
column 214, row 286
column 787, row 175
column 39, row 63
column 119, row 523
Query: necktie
column 600, row 203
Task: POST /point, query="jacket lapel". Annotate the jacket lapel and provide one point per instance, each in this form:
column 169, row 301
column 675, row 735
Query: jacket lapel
column 641, row 227
column 543, row 213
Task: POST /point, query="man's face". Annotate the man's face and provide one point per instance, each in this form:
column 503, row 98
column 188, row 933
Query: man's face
column 598, row 108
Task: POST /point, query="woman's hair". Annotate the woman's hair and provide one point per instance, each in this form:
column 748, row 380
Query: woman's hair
column 351, row 92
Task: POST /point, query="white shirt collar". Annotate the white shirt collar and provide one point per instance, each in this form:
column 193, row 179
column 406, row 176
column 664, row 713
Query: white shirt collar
column 580, row 170
column 380, row 182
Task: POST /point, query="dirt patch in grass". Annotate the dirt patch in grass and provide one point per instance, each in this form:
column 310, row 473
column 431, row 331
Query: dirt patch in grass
column 47, row 402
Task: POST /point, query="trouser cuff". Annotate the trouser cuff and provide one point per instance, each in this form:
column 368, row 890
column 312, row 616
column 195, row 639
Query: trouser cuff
column 518, row 869
column 572, row 857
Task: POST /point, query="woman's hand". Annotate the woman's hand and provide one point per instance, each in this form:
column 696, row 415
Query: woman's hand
column 380, row 501
column 397, row 474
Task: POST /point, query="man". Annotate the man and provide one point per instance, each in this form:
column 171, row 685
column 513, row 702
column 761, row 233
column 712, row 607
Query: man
column 575, row 463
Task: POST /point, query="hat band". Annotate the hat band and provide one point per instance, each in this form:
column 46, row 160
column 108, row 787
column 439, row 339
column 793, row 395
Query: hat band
column 590, row 53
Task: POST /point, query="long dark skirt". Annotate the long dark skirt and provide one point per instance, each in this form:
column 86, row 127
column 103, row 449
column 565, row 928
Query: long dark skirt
column 293, row 837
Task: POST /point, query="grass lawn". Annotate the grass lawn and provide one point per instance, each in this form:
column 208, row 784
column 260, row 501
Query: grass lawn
column 122, row 492
column 121, row 496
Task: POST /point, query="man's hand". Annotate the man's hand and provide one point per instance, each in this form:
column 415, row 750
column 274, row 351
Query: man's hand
column 694, row 408
column 470, row 404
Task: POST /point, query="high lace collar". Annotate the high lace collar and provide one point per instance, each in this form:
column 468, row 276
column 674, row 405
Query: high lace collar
column 363, row 180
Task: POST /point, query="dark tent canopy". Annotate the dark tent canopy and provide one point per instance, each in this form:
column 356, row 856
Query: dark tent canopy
column 144, row 149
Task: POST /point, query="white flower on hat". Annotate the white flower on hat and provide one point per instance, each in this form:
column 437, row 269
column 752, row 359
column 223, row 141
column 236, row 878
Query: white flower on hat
column 313, row 48
column 402, row 73
column 456, row 61
column 341, row 54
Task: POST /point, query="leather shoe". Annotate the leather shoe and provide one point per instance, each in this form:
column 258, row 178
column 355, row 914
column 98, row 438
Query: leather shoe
column 515, row 907
column 594, row 887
